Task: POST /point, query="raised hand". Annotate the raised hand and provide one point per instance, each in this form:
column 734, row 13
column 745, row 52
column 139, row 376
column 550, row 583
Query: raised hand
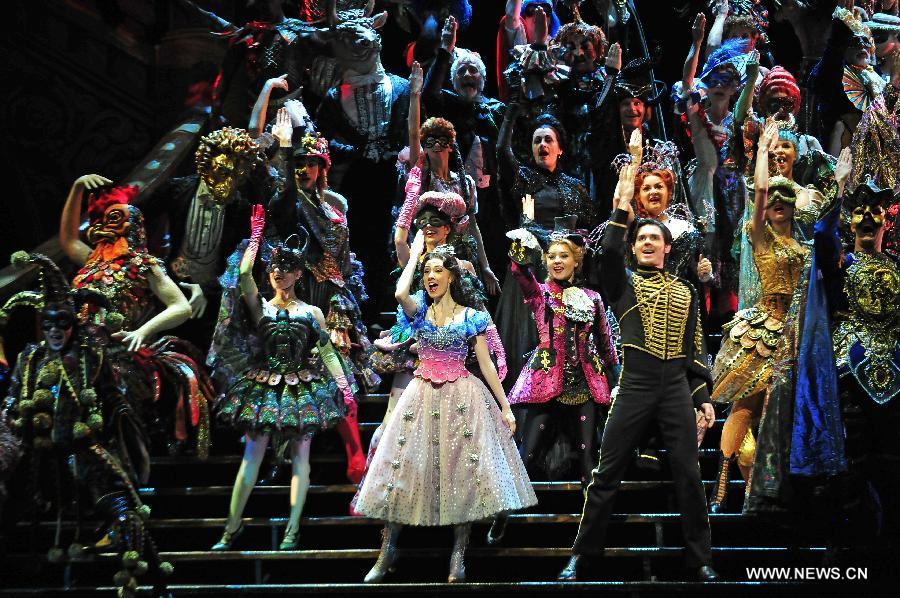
column 614, row 57
column 699, row 28
column 278, row 83
column 625, row 187
column 636, row 146
column 91, row 181
column 769, row 136
column 283, row 128
column 528, row 206
column 416, row 79
column 448, row 34
column 704, row 269
column 417, row 247
column 257, row 223
column 540, row 27
column 844, row 166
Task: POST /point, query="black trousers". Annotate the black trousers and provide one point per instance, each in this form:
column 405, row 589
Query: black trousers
column 580, row 421
column 650, row 389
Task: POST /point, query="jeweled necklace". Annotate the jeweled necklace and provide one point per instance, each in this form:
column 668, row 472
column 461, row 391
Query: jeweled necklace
column 434, row 314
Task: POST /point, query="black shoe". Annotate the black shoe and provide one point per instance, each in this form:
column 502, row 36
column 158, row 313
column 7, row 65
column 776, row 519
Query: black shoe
column 277, row 475
column 580, row 567
column 498, row 529
column 707, row 573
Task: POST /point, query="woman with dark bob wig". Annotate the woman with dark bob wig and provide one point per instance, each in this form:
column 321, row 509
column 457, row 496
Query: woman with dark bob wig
column 555, row 194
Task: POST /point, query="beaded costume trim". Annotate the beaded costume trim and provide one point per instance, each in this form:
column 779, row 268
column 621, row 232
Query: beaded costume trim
column 664, row 305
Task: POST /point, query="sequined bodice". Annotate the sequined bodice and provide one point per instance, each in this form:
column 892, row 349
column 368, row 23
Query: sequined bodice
column 780, row 267
column 443, row 349
column 287, row 335
column 442, row 352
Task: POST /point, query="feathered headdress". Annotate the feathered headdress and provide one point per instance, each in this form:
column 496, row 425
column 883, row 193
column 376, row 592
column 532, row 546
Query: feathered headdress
column 732, row 53
column 97, row 204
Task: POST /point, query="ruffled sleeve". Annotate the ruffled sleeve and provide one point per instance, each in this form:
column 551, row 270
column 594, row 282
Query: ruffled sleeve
column 404, row 322
column 475, row 323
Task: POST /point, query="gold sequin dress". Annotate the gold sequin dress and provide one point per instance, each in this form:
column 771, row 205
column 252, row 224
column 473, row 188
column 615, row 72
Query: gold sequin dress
column 744, row 363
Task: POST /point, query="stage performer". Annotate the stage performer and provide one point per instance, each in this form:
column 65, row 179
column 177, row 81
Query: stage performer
column 517, row 28
column 287, row 396
column 333, row 277
column 864, row 289
column 743, row 367
column 80, row 427
column 166, row 373
column 447, row 456
column 569, row 376
column 716, row 188
column 555, row 194
column 365, row 120
column 436, row 217
column 664, row 379
column 205, row 215
column 844, row 81
column 438, row 168
column 654, row 193
column 476, row 120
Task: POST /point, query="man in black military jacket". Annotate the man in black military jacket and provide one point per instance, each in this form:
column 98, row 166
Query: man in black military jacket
column 664, row 378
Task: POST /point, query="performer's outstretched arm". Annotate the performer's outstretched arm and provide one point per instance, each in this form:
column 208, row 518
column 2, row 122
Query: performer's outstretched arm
column 612, row 260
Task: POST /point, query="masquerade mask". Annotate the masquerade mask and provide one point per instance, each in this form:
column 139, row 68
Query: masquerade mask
column 284, row 261
column 439, row 142
column 57, row 318
column 288, row 256
column 57, row 326
column 115, row 224
column 776, row 105
column 872, row 213
column 223, row 177
column 779, row 197
column 723, row 78
column 430, row 220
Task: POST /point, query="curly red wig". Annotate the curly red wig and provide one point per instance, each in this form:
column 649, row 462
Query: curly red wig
column 668, row 179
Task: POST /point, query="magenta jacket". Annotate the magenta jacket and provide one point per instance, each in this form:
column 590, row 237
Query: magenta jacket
column 542, row 377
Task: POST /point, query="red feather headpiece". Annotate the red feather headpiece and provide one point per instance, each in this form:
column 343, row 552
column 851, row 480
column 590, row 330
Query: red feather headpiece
column 117, row 195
